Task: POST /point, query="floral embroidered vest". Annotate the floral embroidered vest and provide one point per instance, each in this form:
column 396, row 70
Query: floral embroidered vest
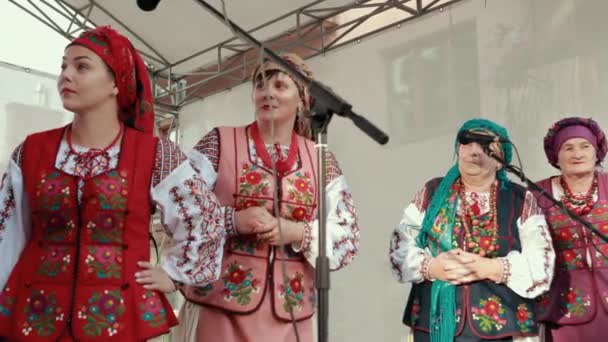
column 491, row 310
column 75, row 279
column 249, row 266
column 578, row 288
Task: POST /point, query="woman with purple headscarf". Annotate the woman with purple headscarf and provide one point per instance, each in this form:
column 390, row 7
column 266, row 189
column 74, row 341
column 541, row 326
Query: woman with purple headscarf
column 576, row 307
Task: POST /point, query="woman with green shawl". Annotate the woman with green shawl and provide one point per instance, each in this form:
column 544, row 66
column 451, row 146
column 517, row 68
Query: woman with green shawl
column 476, row 249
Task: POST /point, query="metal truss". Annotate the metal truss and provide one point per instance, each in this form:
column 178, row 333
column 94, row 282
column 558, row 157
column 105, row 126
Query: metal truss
column 69, row 22
column 319, row 28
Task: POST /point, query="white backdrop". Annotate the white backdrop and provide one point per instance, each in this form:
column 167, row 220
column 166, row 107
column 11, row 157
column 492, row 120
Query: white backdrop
column 28, row 103
column 522, row 63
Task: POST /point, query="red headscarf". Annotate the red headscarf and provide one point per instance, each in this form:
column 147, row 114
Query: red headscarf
column 130, row 74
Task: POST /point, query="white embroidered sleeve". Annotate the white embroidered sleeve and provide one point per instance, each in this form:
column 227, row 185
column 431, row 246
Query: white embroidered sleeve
column 405, row 256
column 342, row 234
column 15, row 218
column 201, row 163
column 204, row 158
column 194, row 219
column 205, row 155
column 531, row 270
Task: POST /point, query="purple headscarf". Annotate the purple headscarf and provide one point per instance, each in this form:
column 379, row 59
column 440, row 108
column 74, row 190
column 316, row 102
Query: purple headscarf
column 574, row 127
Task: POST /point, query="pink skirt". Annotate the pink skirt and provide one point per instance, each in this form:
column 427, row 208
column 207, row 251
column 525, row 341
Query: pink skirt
column 261, row 325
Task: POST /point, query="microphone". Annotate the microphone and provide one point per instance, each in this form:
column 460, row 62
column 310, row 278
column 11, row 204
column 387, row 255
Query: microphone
column 467, row 137
column 147, row 5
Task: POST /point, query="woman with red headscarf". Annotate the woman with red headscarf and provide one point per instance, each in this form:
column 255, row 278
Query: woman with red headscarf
column 267, row 276
column 75, row 209
column 576, row 306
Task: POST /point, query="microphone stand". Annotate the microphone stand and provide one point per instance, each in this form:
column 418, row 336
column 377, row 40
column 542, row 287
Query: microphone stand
column 327, row 103
column 531, row 185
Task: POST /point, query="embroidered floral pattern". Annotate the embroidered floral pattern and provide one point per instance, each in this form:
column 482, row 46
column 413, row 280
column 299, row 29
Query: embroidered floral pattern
column 55, row 262
column 490, row 314
column 244, row 203
column 558, row 220
column 525, row 318
column 571, row 259
column 152, row 310
column 104, row 262
column 599, row 216
column 441, row 222
column 239, row 284
column 292, row 292
column 300, row 188
column 458, row 315
column 603, row 227
column 415, row 311
column 255, row 187
column 482, row 239
column 567, row 238
column 600, row 259
column 111, row 190
column 574, row 303
column 106, row 227
column 542, row 303
column 42, row 312
column 246, row 245
column 102, row 312
column 58, row 225
column 7, row 301
column 476, row 229
column 297, row 213
column 53, row 191
column 53, row 194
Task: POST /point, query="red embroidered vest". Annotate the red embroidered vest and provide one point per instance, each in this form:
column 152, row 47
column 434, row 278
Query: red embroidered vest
column 578, row 288
column 248, row 266
column 75, row 279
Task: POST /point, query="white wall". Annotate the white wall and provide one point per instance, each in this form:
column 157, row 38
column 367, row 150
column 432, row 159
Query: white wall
column 29, row 102
column 522, row 63
column 28, row 42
